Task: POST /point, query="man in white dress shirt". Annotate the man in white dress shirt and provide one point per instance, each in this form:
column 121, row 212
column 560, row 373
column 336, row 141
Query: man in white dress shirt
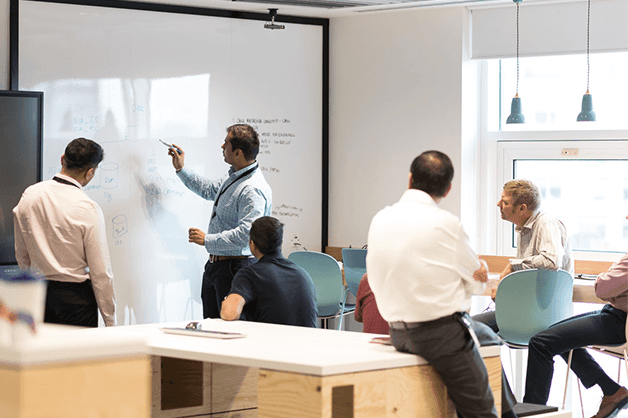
column 423, row 272
column 60, row 233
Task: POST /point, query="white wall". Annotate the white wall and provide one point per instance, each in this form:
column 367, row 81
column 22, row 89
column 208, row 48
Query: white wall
column 396, row 91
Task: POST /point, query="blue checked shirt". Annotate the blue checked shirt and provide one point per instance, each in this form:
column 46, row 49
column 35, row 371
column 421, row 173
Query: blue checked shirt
column 244, row 201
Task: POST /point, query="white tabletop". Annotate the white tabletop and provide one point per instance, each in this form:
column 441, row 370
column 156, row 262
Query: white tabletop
column 312, row 351
column 58, row 343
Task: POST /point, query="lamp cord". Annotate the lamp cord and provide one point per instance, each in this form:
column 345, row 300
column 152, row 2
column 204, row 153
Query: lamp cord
column 517, row 91
column 588, row 26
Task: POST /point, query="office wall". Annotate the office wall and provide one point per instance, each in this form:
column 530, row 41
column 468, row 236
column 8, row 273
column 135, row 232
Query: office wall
column 396, row 91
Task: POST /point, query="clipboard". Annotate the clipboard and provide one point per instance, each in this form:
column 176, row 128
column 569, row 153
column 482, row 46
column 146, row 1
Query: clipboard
column 221, row 335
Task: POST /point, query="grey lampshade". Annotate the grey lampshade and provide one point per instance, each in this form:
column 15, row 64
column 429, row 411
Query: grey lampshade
column 515, row 111
column 587, row 114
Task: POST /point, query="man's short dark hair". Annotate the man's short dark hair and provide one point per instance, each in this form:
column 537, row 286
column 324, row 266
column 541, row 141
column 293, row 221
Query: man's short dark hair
column 432, row 172
column 82, row 153
column 244, row 138
column 267, row 234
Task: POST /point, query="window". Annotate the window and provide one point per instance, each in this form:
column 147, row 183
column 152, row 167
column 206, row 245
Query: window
column 581, row 168
column 586, row 195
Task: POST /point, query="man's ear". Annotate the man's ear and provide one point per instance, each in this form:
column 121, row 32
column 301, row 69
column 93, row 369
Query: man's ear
column 410, row 181
column 89, row 174
column 447, row 192
column 523, row 207
column 62, row 160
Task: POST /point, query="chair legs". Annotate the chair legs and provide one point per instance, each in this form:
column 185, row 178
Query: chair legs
column 567, row 385
column 342, row 310
column 625, row 362
column 567, row 377
column 578, row 380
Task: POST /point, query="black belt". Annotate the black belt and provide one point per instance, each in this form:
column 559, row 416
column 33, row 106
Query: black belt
column 434, row 322
column 461, row 317
column 214, row 258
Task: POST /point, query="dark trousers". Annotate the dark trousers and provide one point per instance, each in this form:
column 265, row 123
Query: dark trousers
column 447, row 345
column 70, row 303
column 486, row 337
column 604, row 327
column 217, row 280
column 488, row 319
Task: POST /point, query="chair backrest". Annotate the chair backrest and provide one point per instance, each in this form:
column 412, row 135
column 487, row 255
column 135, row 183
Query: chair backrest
column 354, row 262
column 327, row 277
column 529, row 301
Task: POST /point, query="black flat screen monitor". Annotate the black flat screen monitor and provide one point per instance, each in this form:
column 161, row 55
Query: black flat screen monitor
column 21, row 131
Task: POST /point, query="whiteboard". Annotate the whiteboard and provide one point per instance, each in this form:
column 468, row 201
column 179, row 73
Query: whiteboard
column 126, row 78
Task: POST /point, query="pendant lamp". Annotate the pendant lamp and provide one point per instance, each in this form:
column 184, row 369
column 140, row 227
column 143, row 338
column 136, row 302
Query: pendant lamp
column 515, row 108
column 587, row 114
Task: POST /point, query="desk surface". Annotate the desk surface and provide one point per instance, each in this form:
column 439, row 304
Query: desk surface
column 312, row 351
column 58, row 343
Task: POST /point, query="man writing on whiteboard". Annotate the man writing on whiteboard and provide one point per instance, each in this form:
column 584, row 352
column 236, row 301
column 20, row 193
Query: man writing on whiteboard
column 240, row 197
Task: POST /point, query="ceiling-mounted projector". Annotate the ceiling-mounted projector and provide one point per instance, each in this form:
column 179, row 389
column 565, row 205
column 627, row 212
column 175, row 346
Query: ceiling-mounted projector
column 272, row 25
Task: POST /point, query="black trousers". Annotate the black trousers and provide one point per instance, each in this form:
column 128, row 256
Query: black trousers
column 604, row 327
column 447, row 345
column 217, row 280
column 70, row 303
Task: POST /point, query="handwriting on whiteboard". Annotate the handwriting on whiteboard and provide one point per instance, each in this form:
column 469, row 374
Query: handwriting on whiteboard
column 272, row 132
column 287, row 211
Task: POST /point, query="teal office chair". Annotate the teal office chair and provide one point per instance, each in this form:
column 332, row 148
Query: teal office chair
column 327, row 277
column 354, row 262
column 530, row 301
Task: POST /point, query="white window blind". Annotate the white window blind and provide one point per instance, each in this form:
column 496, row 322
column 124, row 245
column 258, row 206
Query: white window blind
column 549, row 29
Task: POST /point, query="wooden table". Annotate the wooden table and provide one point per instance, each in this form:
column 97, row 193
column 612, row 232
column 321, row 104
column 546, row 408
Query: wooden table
column 583, row 290
column 282, row 371
column 64, row 373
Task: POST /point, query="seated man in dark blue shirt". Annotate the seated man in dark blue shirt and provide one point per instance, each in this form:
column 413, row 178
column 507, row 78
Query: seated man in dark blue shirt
column 273, row 290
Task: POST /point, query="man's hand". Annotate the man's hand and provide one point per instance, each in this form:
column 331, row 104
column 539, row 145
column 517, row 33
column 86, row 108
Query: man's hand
column 506, row 272
column 177, row 159
column 5, row 313
column 196, row 236
column 481, row 274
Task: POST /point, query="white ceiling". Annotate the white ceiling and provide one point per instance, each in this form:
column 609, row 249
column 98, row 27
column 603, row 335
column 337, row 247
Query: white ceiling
column 324, row 8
